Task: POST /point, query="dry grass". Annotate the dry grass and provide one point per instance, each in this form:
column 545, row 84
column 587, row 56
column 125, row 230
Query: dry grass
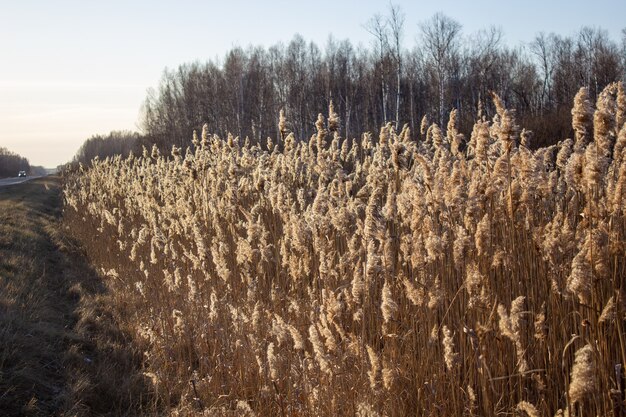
column 408, row 275
column 60, row 350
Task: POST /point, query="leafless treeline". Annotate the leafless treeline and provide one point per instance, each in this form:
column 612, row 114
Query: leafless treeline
column 393, row 80
column 11, row 163
column 102, row 146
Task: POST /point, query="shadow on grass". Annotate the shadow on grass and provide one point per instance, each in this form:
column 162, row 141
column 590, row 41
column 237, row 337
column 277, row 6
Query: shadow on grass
column 62, row 351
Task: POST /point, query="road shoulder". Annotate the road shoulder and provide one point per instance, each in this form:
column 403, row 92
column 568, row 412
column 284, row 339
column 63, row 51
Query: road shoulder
column 61, row 349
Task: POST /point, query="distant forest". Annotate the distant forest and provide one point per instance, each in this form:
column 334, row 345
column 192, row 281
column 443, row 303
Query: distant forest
column 12, row 163
column 103, row 146
column 390, row 81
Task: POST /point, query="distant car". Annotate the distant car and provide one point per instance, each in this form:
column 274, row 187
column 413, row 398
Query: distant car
column 22, row 174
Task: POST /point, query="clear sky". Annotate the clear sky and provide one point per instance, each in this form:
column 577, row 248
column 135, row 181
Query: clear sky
column 71, row 69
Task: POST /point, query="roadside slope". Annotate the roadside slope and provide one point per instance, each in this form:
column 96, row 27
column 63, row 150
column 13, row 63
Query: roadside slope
column 61, row 351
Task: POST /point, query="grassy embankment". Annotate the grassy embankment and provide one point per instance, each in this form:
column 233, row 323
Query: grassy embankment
column 61, row 351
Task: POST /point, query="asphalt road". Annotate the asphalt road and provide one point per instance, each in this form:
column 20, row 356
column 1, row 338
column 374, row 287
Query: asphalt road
column 15, row 180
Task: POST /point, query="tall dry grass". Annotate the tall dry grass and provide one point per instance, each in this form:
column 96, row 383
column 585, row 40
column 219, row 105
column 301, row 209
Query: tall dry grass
column 407, row 274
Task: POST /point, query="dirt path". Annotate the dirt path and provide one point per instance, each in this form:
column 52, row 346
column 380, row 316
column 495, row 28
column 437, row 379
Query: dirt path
column 61, row 351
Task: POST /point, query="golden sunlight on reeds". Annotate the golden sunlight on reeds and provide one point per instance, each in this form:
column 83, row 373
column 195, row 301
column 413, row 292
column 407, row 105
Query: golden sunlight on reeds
column 409, row 274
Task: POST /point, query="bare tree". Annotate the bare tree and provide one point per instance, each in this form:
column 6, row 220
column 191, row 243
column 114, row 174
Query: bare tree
column 396, row 25
column 481, row 63
column 377, row 26
column 542, row 48
column 440, row 36
column 603, row 58
column 413, row 71
column 624, row 55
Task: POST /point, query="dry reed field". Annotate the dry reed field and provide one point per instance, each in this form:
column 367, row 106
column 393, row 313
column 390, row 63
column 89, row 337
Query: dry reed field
column 413, row 273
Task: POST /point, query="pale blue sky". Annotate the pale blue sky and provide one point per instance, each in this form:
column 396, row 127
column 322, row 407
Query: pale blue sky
column 71, row 69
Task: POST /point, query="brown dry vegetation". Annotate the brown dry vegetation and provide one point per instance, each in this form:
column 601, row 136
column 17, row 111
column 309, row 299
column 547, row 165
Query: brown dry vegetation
column 61, row 352
column 411, row 274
